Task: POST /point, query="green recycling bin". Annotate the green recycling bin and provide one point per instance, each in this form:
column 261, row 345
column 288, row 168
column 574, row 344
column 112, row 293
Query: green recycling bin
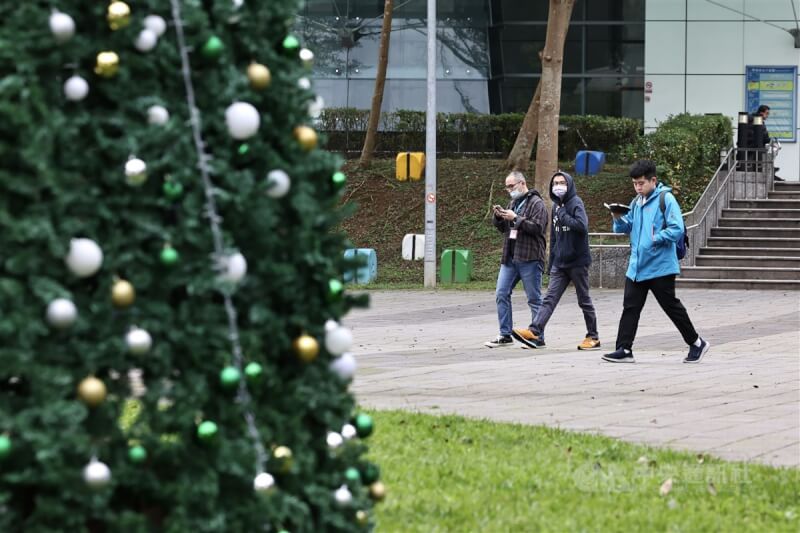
column 456, row 266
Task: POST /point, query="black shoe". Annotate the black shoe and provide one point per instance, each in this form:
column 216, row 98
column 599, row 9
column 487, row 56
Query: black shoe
column 620, row 355
column 697, row 352
column 500, row 341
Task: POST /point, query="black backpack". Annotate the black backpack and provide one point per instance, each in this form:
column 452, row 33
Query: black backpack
column 683, row 244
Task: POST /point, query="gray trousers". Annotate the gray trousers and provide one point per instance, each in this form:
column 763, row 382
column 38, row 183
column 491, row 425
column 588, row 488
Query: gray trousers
column 559, row 281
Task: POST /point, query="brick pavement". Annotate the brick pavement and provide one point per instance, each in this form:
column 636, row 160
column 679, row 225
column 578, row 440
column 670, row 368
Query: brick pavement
column 422, row 351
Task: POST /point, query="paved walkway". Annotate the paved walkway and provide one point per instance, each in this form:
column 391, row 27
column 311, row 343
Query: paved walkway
column 423, row 351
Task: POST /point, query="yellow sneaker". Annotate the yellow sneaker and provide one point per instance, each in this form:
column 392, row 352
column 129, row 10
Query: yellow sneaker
column 528, row 338
column 589, row 344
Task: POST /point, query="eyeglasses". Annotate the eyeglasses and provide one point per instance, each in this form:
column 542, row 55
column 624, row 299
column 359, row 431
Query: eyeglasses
column 509, row 187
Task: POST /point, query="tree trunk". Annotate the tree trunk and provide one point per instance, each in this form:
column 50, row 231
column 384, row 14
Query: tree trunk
column 520, row 156
column 550, row 107
column 380, row 81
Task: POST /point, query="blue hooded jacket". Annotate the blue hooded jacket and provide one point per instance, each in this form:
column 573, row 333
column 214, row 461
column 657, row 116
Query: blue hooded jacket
column 652, row 245
column 569, row 233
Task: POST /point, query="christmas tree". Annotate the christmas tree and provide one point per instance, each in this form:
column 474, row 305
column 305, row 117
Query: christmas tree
column 169, row 278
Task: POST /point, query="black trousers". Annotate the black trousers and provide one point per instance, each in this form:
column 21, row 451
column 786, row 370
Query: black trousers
column 663, row 289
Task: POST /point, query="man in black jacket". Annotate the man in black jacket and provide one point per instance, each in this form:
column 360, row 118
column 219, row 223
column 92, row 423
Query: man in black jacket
column 569, row 262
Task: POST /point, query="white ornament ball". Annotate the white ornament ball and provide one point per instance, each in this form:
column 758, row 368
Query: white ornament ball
column 278, row 183
column 61, row 313
column 135, row 172
column 155, row 24
column 62, row 26
column 307, row 57
column 315, row 108
column 331, row 324
column 96, row 474
column 343, row 496
column 263, row 483
column 76, row 88
column 235, row 268
column 157, row 115
column 344, row 366
column 334, row 440
column 304, row 83
column 242, row 120
column 139, row 341
column 349, row 431
column 338, row 340
column 146, row 40
column 84, row 258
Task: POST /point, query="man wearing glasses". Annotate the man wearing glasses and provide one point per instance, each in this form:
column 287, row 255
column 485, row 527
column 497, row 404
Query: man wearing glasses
column 523, row 224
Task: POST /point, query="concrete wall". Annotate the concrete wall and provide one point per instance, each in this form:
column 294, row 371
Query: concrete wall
column 696, row 53
column 609, row 264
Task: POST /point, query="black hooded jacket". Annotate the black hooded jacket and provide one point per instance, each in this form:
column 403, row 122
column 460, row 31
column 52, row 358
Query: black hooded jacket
column 569, row 233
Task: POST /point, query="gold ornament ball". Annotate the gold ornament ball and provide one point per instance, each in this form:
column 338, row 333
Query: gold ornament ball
column 306, row 136
column 259, row 76
column 306, row 347
column 377, row 491
column 122, row 293
column 362, row 518
column 283, row 458
column 119, row 15
column 92, row 391
column 107, row 64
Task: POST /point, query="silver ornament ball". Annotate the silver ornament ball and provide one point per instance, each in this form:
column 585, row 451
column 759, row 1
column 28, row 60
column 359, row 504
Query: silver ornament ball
column 234, row 268
column 62, row 26
column 349, row 431
column 157, row 115
column 242, row 120
column 334, row 440
column 61, row 313
column 138, row 341
column 146, row 40
column 76, row 88
column 343, row 496
column 338, row 340
column 135, row 172
column 84, row 258
column 156, row 24
column 96, row 474
column 263, row 483
column 278, row 183
column 344, row 366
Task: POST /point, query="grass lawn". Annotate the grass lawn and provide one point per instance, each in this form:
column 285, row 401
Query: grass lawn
column 453, row 474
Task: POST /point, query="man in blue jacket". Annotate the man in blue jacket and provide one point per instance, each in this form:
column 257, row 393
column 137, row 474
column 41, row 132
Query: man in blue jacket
column 569, row 262
column 653, row 263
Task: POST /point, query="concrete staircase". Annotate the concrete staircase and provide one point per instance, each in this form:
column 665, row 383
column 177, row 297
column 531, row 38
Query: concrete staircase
column 756, row 245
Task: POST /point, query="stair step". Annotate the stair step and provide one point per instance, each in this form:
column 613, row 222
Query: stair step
column 738, row 284
column 751, row 233
column 732, row 222
column 784, row 195
column 748, row 273
column 760, row 213
column 787, row 185
column 758, row 242
column 765, row 204
column 749, row 251
column 758, row 261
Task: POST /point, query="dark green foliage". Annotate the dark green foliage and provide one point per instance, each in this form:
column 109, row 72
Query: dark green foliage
column 686, row 149
column 61, row 177
column 471, row 134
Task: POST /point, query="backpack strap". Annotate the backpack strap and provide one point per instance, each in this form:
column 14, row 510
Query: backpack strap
column 663, row 206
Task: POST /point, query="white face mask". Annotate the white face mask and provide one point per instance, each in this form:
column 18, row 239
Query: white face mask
column 514, row 194
column 560, row 190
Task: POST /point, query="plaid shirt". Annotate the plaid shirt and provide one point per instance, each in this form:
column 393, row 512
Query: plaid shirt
column 531, row 225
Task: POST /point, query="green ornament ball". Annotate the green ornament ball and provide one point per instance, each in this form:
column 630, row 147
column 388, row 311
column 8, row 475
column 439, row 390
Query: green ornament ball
column 5, row 446
column 291, row 43
column 352, row 475
column 207, row 430
column 137, row 454
column 364, row 425
column 213, row 47
column 253, row 371
column 335, row 288
column 169, row 256
column 243, row 149
column 338, row 179
column 229, row 377
column 370, row 473
column 172, row 190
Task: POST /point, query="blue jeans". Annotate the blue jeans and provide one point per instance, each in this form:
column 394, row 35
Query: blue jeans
column 530, row 272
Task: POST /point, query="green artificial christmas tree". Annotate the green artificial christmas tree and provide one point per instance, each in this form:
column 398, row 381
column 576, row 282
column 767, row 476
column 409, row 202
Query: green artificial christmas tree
column 170, row 358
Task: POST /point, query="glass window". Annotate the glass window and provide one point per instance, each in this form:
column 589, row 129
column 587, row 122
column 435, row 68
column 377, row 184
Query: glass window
column 517, row 95
column 521, row 46
column 614, row 48
column 627, row 10
column 620, row 97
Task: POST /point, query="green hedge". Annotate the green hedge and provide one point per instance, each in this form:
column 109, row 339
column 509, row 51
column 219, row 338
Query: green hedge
column 470, row 134
column 684, row 147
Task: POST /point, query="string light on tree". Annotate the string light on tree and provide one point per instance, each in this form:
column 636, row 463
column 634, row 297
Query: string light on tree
column 135, row 172
column 278, row 183
column 106, row 64
column 62, row 26
column 96, row 474
column 242, row 120
column 138, row 341
column 122, row 293
column 76, row 88
column 84, row 258
column 61, row 313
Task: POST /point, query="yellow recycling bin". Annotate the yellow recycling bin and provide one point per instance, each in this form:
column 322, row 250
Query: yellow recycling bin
column 410, row 165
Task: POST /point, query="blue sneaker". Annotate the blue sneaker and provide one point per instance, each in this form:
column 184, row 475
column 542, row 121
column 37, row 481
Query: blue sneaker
column 697, row 352
column 620, row 355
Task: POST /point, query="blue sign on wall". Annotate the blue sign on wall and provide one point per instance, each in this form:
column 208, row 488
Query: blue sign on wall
column 777, row 88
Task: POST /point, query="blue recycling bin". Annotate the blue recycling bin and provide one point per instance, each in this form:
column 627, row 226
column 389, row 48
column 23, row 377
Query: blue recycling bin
column 589, row 162
column 364, row 265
